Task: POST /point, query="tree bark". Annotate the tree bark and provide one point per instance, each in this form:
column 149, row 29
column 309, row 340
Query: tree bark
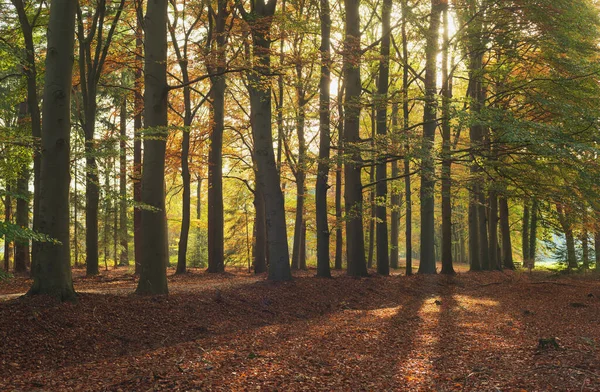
column 216, row 252
column 30, row 71
column 383, row 261
column 507, row 258
column 137, row 141
column 395, row 202
column 405, row 124
column 447, row 262
column 493, row 231
column 339, row 228
column 525, row 235
column 260, row 235
column 155, row 258
column 123, row 234
column 565, row 222
column 321, row 187
column 52, row 273
column 355, row 246
column 427, row 262
column 268, row 180
column 22, row 212
column 533, row 232
column 7, row 218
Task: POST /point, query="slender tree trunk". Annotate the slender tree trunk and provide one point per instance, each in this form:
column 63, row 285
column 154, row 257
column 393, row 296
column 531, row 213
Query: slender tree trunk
column 493, row 230
column 565, row 222
column 185, row 178
column 339, row 236
column 92, row 191
column 22, row 213
column 427, row 263
column 30, row 72
column 372, row 200
column 355, row 246
column 533, row 232
column 123, row 235
column 405, row 124
column 323, row 269
column 447, row 262
column 137, row 146
column 597, row 247
column 300, row 176
column 260, row 236
column 7, row 218
column 52, row 273
column 383, row 261
column 395, row 201
column 507, row 258
column 155, row 258
column 525, row 235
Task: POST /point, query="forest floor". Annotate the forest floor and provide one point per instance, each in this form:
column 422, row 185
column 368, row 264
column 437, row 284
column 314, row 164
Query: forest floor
column 236, row 331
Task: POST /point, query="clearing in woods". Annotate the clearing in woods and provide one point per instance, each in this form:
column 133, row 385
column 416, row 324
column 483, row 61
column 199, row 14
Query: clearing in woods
column 473, row 332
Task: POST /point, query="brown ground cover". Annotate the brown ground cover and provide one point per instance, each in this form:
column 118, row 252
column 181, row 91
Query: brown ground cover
column 235, row 331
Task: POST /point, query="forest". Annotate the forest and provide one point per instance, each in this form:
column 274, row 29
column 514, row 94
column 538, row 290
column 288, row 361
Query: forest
column 300, row 195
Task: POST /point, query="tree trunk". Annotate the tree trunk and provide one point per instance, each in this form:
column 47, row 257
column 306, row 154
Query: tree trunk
column 533, row 232
column 268, row 180
column 123, row 235
column 300, row 176
column 22, row 213
column 507, row 259
column 395, row 201
column 52, row 273
column 383, row 261
column 525, row 235
column 372, row 200
column 137, row 145
column 355, row 246
column 216, row 252
column 427, row 263
column 7, row 218
column 597, row 247
column 493, row 230
column 323, row 269
column 184, row 232
column 260, row 236
column 92, row 191
column 155, row 258
column 565, row 222
column 447, row 262
column 405, row 124
column 30, row 72
column 339, row 235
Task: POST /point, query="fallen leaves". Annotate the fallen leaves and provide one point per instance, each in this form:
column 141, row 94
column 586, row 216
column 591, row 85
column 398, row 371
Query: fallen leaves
column 472, row 332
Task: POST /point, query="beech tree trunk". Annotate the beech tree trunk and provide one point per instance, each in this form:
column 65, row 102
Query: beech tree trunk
column 383, row 261
column 155, row 258
column 493, row 230
column 339, row 235
column 22, row 212
column 405, row 124
column 533, row 232
column 525, row 235
column 447, row 262
column 216, row 252
column 260, row 235
column 52, row 272
column 395, row 201
column 268, row 180
column 30, row 71
column 355, row 245
column 137, row 141
column 123, row 234
column 7, row 218
column 507, row 258
column 323, row 269
column 427, row 263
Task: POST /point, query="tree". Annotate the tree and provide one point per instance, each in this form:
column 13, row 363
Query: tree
column 427, row 264
column 154, row 253
column 268, row 180
column 355, row 244
column 321, row 186
column 52, row 271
